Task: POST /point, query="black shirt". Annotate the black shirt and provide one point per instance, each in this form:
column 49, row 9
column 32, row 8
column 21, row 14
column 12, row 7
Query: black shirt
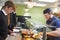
column 3, row 25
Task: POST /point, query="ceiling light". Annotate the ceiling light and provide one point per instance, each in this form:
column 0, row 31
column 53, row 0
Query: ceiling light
column 42, row 5
column 26, row 14
column 31, row 4
column 49, row 0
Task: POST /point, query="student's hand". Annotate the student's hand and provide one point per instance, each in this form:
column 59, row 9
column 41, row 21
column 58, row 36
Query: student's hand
column 13, row 34
column 10, row 31
column 14, row 27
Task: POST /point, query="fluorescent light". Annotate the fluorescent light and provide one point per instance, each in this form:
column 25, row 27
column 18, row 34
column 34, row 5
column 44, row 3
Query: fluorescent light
column 26, row 14
column 49, row 0
column 42, row 5
column 25, row 2
column 26, row 10
column 31, row 4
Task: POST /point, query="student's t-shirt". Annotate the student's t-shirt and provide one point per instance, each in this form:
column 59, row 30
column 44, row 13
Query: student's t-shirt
column 55, row 22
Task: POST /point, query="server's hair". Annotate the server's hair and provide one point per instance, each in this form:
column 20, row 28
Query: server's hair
column 47, row 10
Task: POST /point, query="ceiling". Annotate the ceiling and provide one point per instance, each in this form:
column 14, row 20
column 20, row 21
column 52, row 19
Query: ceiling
column 37, row 1
column 48, row 4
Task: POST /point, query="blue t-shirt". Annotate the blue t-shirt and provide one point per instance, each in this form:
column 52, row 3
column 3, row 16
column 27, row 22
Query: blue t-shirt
column 56, row 24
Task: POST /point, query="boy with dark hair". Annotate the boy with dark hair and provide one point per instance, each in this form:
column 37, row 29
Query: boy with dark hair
column 53, row 21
